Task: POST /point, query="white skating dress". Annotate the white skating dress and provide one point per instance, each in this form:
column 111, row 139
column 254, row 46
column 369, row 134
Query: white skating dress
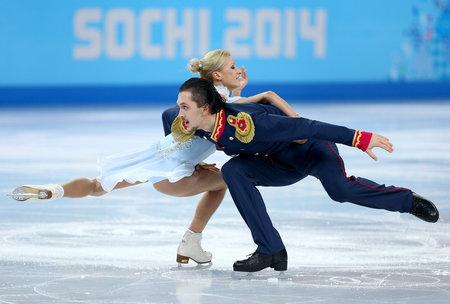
column 166, row 159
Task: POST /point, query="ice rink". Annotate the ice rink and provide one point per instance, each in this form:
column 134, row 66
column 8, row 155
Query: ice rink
column 120, row 248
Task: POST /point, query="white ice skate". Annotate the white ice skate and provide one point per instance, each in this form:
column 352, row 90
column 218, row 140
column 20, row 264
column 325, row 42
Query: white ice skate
column 37, row 192
column 191, row 248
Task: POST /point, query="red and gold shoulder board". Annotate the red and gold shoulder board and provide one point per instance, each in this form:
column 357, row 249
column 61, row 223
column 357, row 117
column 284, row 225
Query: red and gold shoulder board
column 179, row 130
column 245, row 128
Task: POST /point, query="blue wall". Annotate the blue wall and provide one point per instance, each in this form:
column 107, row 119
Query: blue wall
column 136, row 51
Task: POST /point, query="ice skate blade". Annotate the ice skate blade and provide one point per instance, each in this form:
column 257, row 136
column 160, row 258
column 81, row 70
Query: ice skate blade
column 239, row 275
column 185, row 267
column 23, row 196
column 24, row 193
column 262, row 275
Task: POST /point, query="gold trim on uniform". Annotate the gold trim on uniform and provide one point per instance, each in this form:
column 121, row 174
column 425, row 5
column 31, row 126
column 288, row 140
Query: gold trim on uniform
column 245, row 128
column 219, row 126
column 179, row 130
column 356, row 138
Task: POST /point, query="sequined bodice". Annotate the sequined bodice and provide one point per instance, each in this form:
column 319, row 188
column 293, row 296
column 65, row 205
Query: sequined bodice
column 192, row 151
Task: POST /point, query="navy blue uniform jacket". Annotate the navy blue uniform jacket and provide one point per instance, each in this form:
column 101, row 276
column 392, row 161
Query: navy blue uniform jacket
column 259, row 129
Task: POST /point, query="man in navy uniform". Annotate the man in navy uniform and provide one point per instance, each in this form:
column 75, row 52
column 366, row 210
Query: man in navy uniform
column 262, row 142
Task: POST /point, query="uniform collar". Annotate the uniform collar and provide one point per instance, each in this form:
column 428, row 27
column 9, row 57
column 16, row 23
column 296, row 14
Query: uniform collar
column 219, row 125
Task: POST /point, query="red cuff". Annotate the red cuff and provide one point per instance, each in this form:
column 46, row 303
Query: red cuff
column 361, row 140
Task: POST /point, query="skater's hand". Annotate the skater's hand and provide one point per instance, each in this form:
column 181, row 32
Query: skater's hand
column 378, row 141
column 205, row 166
column 300, row 141
column 242, row 82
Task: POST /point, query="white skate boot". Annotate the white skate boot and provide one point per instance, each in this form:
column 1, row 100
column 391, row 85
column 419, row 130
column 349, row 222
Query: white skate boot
column 38, row 192
column 191, row 248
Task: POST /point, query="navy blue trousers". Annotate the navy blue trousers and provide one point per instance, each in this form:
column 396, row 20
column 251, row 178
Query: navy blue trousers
column 320, row 159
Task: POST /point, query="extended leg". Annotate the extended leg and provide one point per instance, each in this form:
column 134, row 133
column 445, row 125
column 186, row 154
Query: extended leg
column 84, row 187
column 328, row 166
column 74, row 189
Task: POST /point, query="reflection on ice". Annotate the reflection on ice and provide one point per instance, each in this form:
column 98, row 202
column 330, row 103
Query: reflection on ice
column 44, row 283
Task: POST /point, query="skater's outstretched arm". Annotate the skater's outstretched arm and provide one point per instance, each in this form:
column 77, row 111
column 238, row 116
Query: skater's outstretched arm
column 273, row 99
column 270, row 127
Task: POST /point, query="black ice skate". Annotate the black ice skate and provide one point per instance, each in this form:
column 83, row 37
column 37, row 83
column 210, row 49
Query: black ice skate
column 259, row 261
column 424, row 209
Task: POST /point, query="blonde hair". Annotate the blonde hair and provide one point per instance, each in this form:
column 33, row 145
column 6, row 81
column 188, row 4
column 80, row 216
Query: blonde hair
column 211, row 62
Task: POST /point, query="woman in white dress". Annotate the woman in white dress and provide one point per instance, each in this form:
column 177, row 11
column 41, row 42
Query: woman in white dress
column 174, row 168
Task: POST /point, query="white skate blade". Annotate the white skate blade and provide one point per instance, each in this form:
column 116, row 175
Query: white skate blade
column 262, row 275
column 23, row 196
column 186, row 267
column 24, row 193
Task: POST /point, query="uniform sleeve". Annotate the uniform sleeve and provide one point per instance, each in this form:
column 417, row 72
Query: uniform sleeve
column 168, row 116
column 269, row 127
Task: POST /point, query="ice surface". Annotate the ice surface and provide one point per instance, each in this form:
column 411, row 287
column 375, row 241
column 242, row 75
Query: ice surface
column 120, row 248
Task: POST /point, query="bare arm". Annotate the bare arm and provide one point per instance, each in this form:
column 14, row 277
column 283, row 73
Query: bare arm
column 273, row 99
column 266, row 97
column 276, row 101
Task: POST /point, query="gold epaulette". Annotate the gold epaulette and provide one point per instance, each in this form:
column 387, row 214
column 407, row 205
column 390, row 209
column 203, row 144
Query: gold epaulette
column 245, row 128
column 179, row 130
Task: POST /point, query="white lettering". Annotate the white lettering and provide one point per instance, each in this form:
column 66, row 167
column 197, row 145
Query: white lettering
column 271, row 18
column 183, row 33
column 92, row 35
column 315, row 33
column 124, row 18
column 290, row 45
column 168, row 33
column 148, row 18
column 233, row 34
column 204, row 23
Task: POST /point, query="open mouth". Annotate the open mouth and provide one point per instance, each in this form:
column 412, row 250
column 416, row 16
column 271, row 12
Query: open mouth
column 185, row 123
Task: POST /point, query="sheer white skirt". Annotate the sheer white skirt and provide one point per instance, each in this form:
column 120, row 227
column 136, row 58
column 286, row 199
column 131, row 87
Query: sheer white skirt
column 165, row 159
